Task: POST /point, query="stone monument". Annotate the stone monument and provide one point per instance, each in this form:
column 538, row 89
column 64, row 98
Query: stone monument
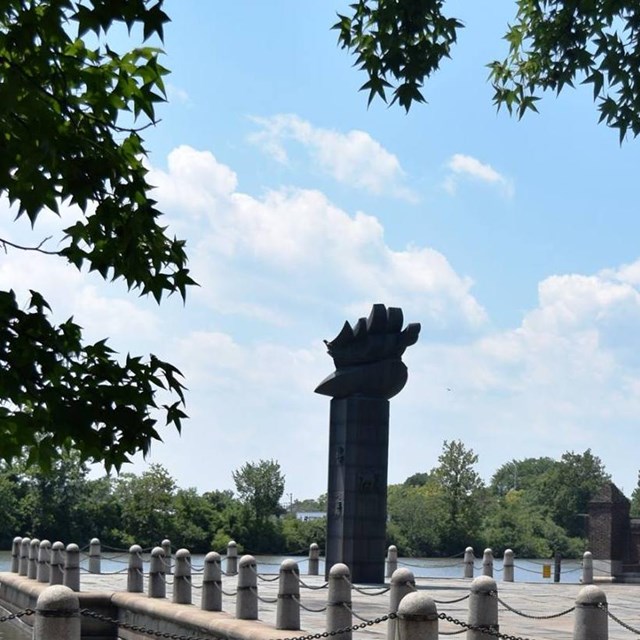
column 369, row 371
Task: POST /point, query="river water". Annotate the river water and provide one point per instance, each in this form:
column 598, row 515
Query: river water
column 526, row 570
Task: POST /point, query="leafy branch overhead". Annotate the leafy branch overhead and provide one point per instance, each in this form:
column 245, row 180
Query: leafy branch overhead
column 552, row 44
column 72, row 111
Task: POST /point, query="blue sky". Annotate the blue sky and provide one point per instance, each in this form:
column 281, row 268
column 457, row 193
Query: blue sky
column 514, row 244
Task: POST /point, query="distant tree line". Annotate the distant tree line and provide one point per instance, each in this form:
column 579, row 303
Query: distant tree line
column 535, row 506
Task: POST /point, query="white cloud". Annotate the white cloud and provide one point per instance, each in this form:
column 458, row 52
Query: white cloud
column 259, row 254
column 353, row 158
column 467, row 167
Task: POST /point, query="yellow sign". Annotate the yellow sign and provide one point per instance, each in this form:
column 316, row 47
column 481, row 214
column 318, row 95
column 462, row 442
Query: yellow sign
column 546, row 570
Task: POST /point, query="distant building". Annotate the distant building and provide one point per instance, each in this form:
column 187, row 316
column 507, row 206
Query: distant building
column 310, row 515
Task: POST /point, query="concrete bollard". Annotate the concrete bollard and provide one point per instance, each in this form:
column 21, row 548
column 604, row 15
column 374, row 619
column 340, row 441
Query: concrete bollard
column 182, row 577
column 71, row 577
column 15, row 554
column 402, row 584
column 34, row 548
column 288, row 608
column 166, row 547
column 591, row 621
column 57, row 563
column 487, row 563
column 507, row 566
column 94, row 555
column 339, row 600
column 392, row 560
column 314, row 559
column 232, row 558
column 247, row 597
column 469, row 559
column 157, row 583
column 417, row 618
column 587, row 568
column 135, row 571
column 44, row 562
column 483, row 608
column 57, row 615
column 23, row 567
column 212, row 583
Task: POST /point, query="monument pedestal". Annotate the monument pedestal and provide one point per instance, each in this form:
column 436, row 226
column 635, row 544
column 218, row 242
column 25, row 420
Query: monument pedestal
column 357, row 491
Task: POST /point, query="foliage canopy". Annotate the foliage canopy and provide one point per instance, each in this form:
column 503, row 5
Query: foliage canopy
column 552, row 44
column 72, row 110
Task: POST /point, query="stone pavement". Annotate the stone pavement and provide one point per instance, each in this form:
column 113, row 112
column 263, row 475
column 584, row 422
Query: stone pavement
column 532, row 599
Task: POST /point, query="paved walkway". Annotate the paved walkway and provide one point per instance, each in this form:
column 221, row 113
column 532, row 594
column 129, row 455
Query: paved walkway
column 533, row 599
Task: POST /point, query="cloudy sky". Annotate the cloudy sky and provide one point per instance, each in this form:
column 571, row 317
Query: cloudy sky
column 516, row 245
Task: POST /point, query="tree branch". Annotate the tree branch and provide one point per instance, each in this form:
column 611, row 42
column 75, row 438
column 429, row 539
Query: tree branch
column 38, row 248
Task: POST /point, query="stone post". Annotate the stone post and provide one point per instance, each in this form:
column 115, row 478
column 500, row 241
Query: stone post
column 34, row 548
column 587, row 568
column 135, row 572
column 182, row 577
column 44, row 562
column 314, row 559
column 94, row 556
column 23, row 568
column 288, row 608
column 212, row 583
column 247, row 597
column 392, row 560
column 157, row 583
column 57, row 615
column 232, row 558
column 487, row 563
column 402, row 584
column 71, row 577
column 57, row 563
column 507, row 566
column 339, row 600
column 369, row 371
column 166, row 547
column 591, row 622
column 469, row 559
column 15, row 554
column 483, row 607
column 418, row 618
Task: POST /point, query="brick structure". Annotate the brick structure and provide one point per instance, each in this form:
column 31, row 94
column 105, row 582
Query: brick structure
column 614, row 538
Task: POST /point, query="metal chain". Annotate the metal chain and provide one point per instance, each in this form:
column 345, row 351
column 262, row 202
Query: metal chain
column 472, row 627
column 309, row 586
column 267, row 579
column 262, row 599
column 322, row 610
column 139, row 629
column 453, row 601
column 337, row 632
column 17, row 614
column 533, row 617
column 364, row 592
column 628, row 627
column 451, row 633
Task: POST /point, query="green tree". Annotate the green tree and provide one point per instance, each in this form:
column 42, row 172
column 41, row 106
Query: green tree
column 527, row 530
column 553, row 44
column 520, row 474
column 567, row 488
column 415, row 515
column 260, row 486
column 147, row 502
column 72, row 110
column 462, row 493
